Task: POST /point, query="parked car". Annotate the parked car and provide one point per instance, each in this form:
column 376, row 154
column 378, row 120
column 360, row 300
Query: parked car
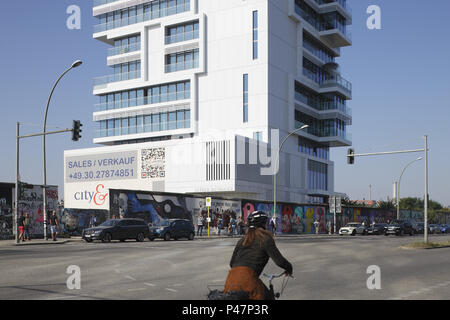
column 419, row 228
column 117, row 229
column 378, row 228
column 399, row 228
column 435, row 228
column 173, row 229
column 352, row 228
column 445, row 228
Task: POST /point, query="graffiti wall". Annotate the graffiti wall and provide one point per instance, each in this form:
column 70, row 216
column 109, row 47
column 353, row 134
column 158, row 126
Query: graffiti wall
column 155, row 208
column 151, row 207
column 6, row 212
column 31, row 203
column 220, row 209
column 301, row 218
column 74, row 221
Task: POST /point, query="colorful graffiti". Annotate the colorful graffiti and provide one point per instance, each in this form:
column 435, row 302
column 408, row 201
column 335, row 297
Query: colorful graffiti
column 6, row 212
column 152, row 208
column 74, row 221
column 300, row 218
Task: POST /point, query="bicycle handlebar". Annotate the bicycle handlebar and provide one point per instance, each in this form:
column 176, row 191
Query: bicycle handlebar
column 274, row 276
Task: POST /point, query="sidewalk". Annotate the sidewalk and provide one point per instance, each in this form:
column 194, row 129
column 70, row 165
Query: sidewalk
column 6, row 243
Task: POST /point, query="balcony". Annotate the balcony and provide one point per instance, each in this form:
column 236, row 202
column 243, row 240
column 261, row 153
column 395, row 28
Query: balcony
column 142, row 101
column 124, row 49
column 337, row 37
column 329, row 83
column 186, row 36
column 101, row 82
column 331, row 137
column 325, row 106
column 190, row 64
column 102, row 2
column 328, row 3
column 154, row 14
column 147, row 128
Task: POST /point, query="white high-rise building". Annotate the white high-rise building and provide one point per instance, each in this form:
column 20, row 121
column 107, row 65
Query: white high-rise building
column 196, row 89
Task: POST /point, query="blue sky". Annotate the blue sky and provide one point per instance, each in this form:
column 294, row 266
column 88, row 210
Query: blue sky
column 400, row 76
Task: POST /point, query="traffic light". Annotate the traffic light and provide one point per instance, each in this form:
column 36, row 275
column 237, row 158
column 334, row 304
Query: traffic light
column 76, row 130
column 350, row 156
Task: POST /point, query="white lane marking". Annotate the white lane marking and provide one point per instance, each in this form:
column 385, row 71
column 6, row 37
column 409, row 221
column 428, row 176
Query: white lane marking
column 61, row 298
column 150, row 284
column 137, row 289
column 172, row 290
column 130, row 278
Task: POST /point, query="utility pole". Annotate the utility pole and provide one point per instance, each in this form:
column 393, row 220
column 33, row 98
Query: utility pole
column 16, row 194
column 425, row 219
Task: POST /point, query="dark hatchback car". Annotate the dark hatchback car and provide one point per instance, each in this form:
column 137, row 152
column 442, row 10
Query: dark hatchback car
column 116, row 229
column 378, row 228
column 399, row 228
column 173, row 229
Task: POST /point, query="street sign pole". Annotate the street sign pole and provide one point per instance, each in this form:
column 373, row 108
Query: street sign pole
column 208, row 205
column 334, row 226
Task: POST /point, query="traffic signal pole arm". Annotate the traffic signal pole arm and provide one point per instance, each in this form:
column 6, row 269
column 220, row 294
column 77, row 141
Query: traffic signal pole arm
column 44, row 133
column 381, row 153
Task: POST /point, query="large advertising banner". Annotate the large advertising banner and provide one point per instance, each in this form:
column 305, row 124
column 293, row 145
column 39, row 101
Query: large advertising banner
column 102, row 167
column 89, row 177
column 152, row 208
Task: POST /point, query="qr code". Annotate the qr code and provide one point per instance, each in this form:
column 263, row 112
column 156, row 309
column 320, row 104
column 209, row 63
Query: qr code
column 153, row 163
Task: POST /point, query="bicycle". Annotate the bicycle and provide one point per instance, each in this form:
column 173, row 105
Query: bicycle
column 241, row 295
column 271, row 277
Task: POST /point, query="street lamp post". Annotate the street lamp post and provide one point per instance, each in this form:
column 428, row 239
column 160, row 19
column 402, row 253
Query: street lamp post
column 44, row 156
column 398, row 186
column 276, row 168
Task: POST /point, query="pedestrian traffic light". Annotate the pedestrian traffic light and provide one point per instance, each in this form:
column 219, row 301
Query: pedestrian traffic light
column 350, row 156
column 76, row 130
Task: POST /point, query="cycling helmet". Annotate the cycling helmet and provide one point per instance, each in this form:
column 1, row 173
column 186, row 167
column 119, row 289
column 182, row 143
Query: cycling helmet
column 257, row 219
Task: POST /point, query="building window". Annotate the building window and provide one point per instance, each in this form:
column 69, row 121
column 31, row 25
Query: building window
column 134, row 98
column 257, row 136
column 317, row 175
column 255, row 35
column 245, row 98
column 180, row 119
column 182, row 61
column 184, row 32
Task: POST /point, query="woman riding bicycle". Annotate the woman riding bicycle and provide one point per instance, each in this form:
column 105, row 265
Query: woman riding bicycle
column 251, row 256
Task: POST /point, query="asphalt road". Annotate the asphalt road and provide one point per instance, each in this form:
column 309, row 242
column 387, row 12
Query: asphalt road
column 325, row 267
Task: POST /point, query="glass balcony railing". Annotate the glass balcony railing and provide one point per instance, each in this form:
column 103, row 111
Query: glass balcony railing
column 326, row 81
column 146, row 128
column 103, row 81
column 324, row 105
column 337, row 80
column 324, row 132
column 154, row 14
column 186, row 36
column 102, row 2
column 192, row 64
column 142, row 101
column 124, row 49
column 343, row 4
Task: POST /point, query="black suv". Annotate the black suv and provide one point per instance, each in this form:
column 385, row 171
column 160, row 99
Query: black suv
column 399, row 228
column 116, row 229
column 173, row 229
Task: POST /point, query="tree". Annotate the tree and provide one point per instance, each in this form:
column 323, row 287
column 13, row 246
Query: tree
column 386, row 205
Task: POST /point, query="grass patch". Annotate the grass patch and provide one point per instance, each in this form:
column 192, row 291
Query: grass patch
column 429, row 245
